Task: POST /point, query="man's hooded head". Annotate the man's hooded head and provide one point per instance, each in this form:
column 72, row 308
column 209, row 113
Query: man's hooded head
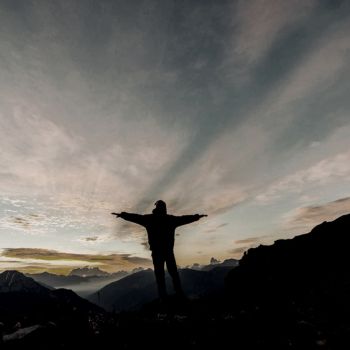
column 160, row 207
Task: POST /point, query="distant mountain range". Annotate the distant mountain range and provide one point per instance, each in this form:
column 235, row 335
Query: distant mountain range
column 75, row 277
column 131, row 292
column 89, row 271
column 88, row 280
column 55, row 281
column 215, row 263
column 82, row 281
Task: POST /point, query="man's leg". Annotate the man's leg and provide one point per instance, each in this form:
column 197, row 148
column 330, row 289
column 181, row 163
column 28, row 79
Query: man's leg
column 172, row 269
column 158, row 263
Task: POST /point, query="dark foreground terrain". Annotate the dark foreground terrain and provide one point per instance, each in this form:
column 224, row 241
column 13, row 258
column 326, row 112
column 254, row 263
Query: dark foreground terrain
column 294, row 294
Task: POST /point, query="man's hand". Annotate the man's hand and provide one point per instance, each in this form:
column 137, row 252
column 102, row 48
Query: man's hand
column 118, row 215
column 201, row 215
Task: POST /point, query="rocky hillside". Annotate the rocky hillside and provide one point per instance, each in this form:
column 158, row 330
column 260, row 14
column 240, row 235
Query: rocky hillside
column 43, row 316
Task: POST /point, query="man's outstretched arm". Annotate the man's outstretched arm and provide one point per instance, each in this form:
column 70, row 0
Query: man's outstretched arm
column 187, row 219
column 136, row 218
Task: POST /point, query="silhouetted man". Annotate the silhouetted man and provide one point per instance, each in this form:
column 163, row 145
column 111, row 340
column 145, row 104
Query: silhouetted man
column 161, row 237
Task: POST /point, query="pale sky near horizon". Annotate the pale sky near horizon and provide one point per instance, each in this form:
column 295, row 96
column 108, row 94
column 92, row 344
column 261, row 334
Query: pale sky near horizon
column 236, row 109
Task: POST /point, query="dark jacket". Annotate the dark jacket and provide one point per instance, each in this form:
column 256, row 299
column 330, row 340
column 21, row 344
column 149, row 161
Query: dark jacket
column 160, row 227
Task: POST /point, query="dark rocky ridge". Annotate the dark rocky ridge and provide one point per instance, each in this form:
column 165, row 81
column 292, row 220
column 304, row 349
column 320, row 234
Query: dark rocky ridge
column 297, row 290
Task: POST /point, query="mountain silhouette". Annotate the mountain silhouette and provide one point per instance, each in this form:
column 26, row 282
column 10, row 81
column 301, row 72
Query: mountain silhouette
column 309, row 260
column 14, row 281
column 78, row 280
column 129, row 293
column 297, row 288
column 28, row 309
column 54, row 280
column 132, row 292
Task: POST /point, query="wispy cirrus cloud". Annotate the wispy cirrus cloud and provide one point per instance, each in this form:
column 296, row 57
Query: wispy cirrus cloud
column 335, row 168
column 90, row 239
column 259, row 23
column 251, row 240
column 216, row 227
column 305, row 218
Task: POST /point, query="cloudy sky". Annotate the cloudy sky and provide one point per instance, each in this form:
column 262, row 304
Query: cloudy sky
column 237, row 109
